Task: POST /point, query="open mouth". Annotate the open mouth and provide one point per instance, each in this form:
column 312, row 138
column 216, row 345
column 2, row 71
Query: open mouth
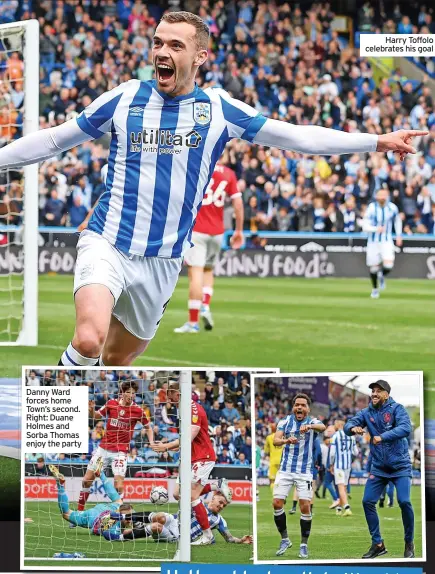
column 164, row 72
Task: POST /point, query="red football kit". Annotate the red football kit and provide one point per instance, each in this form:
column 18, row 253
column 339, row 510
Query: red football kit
column 120, row 424
column 202, row 448
column 210, row 218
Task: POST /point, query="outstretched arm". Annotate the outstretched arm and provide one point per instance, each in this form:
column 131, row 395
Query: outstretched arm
column 42, row 145
column 243, row 121
column 315, row 140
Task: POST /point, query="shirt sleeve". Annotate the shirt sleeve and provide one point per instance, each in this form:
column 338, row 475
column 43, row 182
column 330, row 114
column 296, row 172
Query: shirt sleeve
column 242, row 120
column 313, row 140
column 281, row 425
column 96, row 119
column 42, row 145
column 315, row 422
column 222, row 525
column 104, row 411
column 196, row 415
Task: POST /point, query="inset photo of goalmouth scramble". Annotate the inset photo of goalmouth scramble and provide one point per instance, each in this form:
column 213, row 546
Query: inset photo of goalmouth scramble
column 339, row 455
column 115, row 491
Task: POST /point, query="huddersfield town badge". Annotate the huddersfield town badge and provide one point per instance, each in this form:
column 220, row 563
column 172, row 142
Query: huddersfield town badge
column 202, row 113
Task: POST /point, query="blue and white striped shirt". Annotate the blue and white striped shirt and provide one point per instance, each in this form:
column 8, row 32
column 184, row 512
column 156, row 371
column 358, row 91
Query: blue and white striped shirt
column 377, row 216
column 162, row 155
column 215, row 520
column 297, row 458
column 342, row 449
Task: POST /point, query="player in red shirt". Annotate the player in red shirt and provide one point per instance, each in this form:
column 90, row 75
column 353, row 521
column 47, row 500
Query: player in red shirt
column 121, row 416
column 203, row 461
column 207, row 238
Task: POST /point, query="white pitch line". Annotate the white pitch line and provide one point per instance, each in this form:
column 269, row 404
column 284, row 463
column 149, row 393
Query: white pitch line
column 151, row 358
column 292, row 321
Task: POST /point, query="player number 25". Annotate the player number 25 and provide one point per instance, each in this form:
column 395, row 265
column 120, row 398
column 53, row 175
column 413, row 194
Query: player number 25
column 216, row 197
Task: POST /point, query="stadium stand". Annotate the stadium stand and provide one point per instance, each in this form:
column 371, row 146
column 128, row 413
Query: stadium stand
column 225, row 397
column 287, row 61
column 273, row 405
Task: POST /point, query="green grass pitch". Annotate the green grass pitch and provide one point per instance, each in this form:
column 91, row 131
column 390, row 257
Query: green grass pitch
column 295, row 324
column 334, row 537
column 9, row 488
column 49, row 533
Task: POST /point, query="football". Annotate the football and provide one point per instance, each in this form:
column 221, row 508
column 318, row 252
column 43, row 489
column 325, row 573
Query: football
column 159, row 495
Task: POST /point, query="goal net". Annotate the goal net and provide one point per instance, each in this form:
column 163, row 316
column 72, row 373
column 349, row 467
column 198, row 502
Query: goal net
column 19, row 111
column 147, row 474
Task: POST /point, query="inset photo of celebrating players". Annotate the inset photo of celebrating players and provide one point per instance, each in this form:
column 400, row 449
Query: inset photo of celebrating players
column 154, row 440
column 338, row 457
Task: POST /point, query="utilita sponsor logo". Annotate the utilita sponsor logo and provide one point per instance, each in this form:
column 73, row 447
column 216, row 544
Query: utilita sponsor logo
column 163, row 141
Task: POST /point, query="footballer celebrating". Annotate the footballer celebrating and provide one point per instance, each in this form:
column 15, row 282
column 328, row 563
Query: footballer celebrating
column 296, row 433
column 389, row 426
column 121, row 416
column 207, row 237
column 166, row 137
column 203, row 461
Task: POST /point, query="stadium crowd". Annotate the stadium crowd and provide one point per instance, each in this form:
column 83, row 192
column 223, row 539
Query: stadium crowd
column 225, row 396
column 273, row 404
column 284, row 59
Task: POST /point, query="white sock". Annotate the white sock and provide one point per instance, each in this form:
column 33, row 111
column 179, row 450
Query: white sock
column 72, row 358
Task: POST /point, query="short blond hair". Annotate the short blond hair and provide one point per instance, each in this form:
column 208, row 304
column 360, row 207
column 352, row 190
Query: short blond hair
column 202, row 30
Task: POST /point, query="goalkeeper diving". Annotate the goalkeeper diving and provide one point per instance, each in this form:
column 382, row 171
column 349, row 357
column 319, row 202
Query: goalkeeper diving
column 116, row 520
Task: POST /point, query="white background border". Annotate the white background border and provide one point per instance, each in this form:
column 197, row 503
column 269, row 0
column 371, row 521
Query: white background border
column 419, row 375
column 57, row 562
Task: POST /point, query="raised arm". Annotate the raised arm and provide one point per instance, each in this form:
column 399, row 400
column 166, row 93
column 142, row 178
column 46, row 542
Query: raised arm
column 355, row 425
column 42, row 145
column 315, row 140
column 243, row 121
column 91, row 124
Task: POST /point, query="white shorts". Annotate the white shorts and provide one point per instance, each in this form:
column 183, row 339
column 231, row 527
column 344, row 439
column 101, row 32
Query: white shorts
column 341, row 476
column 141, row 286
column 377, row 253
column 205, row 251
column 200, row 472
column 117, row 460
column 285, row 480
column 171, row 530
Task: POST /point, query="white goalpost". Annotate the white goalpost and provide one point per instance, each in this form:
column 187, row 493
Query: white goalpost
column 46, row 534
column 19, row 228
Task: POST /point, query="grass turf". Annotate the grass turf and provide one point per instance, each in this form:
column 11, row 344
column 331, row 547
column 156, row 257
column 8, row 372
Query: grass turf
column 9, row 488
column 295, row 324
column 49, row 533
column 329, row 531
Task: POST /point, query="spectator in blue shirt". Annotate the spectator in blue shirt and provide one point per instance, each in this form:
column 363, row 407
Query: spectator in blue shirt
column 229, row 413
column 78, row 211
column 224, row 457
column 215, row 414
column 54, row 210
column 241, row 460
